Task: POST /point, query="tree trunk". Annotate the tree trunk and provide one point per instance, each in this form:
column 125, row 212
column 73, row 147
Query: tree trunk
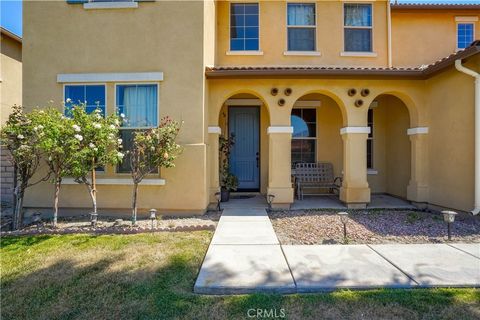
column 134, row 203
column 93, row 191
column 58, row 182
column 18, row 209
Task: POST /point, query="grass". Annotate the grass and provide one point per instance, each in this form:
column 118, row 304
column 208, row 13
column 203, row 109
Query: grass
column 149, row 276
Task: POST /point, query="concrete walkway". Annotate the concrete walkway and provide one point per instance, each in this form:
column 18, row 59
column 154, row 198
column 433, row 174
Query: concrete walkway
column 245, row 256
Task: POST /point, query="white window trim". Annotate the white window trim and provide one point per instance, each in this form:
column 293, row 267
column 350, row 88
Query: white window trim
column 301, row 53
column 109, row 77
column 110, row 5
column 372, row 172
column 231, row 52
column 358, row 54
column 456, row 33
column 119, row 181
column 136, row 128
column 355, row 53
column 244, row 53
column 466, row 19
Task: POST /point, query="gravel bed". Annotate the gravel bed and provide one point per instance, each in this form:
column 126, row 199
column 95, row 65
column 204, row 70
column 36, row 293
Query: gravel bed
column 105, row 225
column 372, row 227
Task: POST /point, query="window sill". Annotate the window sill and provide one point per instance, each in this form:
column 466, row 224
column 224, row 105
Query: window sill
column 120, row 181
column 358, row 54
column 302, row 53
column 372, row 172
column 110, row 5
column 244, row 53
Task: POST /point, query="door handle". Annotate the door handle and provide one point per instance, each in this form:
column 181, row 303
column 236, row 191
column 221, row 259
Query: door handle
column 258, row 158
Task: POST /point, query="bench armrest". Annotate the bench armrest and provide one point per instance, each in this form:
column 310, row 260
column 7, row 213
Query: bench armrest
column 338, row 179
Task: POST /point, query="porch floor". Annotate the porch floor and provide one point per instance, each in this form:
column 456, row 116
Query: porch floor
column 378, row 201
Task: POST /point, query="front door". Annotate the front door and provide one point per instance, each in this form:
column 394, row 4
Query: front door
column 243, row 124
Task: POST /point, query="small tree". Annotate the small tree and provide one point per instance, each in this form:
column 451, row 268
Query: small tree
column 60, row 144
column 152, row 148
column 21, row 138
column 98, row 148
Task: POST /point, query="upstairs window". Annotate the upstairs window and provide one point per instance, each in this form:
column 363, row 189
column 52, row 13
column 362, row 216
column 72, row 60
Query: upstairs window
column 358, row 27
column 244, row 27
column 93, row 96
column 301, row 27
column 304, row 123
column 465, row 34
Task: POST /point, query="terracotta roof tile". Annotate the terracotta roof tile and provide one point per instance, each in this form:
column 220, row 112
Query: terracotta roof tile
column 424, row 71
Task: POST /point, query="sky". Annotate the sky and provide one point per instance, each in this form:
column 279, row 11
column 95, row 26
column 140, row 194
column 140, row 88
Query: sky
column 11, row 16
column 11, row 12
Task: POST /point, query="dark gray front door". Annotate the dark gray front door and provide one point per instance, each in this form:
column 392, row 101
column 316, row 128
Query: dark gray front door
column 243, row 123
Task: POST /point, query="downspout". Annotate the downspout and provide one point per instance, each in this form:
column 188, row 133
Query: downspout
column 476, row 75
column 389, row 35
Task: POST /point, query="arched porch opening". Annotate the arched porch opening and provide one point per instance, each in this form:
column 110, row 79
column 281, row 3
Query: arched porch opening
column 388, row 146
column 245, row 116
column 316, row 119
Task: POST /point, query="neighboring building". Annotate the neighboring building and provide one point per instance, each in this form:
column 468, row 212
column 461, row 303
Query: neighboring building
column 407, row 128
column 10, row 94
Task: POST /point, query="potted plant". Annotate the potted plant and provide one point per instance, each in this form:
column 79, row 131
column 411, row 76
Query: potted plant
column 228, row 181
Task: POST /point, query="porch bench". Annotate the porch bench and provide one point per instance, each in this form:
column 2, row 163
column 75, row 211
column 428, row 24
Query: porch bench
column 315, row 176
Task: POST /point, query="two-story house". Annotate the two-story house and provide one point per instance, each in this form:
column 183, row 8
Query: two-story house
column 377, row 89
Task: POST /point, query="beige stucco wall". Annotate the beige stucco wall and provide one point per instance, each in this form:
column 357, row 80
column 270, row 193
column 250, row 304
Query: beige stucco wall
column 146, row 39
column 424, row 36
column 273, row 36
column 450, row 97
column 10, row 75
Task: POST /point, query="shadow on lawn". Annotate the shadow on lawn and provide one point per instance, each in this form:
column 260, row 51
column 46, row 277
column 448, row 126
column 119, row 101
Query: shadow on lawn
column 71, row 289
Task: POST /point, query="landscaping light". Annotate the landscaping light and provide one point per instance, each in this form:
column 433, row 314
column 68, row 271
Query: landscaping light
column 218, row 196
column 36, row 218
column 344, row 218
column 153, row 215
column 270, row 198
column 449, row 218
column 94, row 219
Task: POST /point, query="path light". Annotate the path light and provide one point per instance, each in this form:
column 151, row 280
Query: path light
column 37, row 219
column 449, row 218
column 94, row 219
column 270, row 198
column 153, row 215
column 218, row 196
column 344, row 218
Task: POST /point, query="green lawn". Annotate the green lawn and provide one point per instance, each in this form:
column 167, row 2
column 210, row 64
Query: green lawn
column 151, row 277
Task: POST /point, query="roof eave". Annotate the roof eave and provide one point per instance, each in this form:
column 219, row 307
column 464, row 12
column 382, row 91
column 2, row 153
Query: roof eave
column 435, row 6
column 10, row 34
